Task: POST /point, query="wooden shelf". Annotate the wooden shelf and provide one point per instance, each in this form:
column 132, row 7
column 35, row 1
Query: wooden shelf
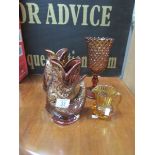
column 38, row 134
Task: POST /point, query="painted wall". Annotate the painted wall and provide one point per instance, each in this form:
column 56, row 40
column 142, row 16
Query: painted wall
column 129, row 72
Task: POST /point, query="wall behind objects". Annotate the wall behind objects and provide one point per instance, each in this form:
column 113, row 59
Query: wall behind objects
column 129, row 71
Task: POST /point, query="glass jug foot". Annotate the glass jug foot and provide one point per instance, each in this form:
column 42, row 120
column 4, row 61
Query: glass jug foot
column 62, row 120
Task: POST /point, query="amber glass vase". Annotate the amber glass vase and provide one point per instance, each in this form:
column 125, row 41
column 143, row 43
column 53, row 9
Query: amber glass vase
column 98, row 55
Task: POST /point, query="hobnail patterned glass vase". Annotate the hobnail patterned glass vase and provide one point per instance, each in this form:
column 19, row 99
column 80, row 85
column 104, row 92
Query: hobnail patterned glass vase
column 98, row 56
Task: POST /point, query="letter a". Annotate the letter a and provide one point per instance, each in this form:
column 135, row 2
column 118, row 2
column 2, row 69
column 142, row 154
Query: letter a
column 51, row 14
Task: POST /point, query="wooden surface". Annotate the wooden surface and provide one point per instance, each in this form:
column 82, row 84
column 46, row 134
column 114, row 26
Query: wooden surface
column 88, row 136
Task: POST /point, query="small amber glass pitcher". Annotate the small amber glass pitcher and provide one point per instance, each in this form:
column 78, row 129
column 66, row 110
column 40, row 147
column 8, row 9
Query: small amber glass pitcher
column 107, row 101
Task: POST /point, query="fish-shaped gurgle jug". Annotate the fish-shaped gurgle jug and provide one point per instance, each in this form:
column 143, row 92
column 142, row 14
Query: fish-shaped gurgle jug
column 65, row 91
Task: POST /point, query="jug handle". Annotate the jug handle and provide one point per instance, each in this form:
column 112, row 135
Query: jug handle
column 119, row 98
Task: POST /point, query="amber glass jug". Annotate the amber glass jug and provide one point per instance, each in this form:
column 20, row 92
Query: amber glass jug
column 107, row 101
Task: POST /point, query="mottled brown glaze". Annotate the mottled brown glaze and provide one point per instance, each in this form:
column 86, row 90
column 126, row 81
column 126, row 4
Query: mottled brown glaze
column 61, row 56
column 64, row 82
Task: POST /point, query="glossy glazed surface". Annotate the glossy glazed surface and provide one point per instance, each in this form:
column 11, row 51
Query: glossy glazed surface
column 88, row 136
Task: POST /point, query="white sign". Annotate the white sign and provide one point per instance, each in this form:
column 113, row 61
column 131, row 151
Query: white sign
column 62, row 103
column 94, row 116
column 107, row 111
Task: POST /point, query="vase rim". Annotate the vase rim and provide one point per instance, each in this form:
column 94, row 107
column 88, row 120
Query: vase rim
column 99, row 38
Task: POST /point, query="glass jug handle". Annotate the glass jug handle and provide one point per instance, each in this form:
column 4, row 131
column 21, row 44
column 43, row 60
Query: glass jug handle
column 117, row 99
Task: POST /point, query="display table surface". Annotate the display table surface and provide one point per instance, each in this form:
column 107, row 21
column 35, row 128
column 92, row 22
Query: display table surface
column 88, row 136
